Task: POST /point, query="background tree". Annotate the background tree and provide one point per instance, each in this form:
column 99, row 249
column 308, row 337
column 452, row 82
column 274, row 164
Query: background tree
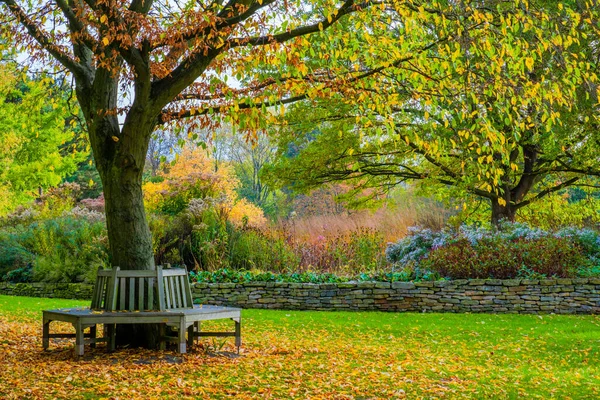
column 508, row 113
column 38, row 148
column 249, row 158
column 161, row 146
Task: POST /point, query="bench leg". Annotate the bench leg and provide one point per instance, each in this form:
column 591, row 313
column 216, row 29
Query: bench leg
column 93, row 336
column 79, row 340
column 162, row 332
column 111, row 336
column 46, row 334
column 238, row 334
column 190, row 338
column 182, row 341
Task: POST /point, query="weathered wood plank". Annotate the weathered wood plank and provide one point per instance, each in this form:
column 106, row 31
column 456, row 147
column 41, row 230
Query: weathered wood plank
column 167, row 295
column 161, row 289
column 173, row 272
column 151, row 294
column 123, row 292
column 178, row 302
column 95, row 294
column 188, row 291
column 131, row 305
column 171, row 290
column 141, row 294
column 184, row 299
column 112, row 295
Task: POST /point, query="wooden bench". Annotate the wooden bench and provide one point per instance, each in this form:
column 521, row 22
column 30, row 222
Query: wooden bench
column 160, row 296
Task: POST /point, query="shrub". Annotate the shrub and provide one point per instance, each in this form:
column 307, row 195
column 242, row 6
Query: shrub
column 512, row 250
column 547, row 256
column 13, row 255
column 63, row 249
column 19, row 275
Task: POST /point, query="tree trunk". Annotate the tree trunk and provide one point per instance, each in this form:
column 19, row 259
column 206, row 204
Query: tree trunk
column 128, row 233
column 502, row 212
column 120, row 164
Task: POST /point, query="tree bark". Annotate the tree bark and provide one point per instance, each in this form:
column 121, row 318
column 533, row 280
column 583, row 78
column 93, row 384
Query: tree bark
column 128, row 233
column 502, row 212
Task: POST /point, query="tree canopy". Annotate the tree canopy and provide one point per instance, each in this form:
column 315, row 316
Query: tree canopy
column 507, row 111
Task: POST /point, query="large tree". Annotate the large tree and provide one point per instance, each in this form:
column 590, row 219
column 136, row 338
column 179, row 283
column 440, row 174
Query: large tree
column 139, row 64
column 508, row 113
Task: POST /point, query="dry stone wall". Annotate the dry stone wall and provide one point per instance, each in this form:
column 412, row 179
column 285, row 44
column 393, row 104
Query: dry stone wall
column 77, row 291
column 564, row 296
column 561, row 296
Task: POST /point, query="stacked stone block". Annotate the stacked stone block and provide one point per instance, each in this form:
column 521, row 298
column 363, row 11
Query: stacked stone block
column 564, row 296
column 524, row 296
column 77, row 291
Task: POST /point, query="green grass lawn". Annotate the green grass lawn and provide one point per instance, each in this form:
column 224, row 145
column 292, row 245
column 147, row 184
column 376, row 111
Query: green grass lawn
column 294, row 354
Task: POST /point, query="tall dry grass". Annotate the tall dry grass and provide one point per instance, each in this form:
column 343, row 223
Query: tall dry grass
column 392, row 222
column 353, row 241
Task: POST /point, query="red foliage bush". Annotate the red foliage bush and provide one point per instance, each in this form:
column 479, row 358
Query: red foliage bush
column 547, row 256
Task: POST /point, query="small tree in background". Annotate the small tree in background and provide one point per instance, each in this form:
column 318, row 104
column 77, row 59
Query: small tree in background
column 35, row 136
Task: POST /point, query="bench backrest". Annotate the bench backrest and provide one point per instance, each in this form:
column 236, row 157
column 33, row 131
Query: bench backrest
column 143, row 290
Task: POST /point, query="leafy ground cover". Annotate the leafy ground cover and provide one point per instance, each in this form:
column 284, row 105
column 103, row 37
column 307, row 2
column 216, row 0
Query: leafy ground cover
column 344, row 355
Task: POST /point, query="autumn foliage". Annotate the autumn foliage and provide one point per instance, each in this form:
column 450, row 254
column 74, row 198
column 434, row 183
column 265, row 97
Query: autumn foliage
column 194, row 182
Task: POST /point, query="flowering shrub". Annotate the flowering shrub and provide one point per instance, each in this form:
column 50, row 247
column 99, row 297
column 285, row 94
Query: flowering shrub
column 510, row 251
column 87, row 214
column 96, row 204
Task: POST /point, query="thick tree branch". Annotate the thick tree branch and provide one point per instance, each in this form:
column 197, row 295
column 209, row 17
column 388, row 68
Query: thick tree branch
column 141, row 6
column 347, row 8
column 167, row 116
column 547, row 191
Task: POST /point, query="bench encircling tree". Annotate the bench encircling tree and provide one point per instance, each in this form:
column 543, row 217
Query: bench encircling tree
column 161, row 297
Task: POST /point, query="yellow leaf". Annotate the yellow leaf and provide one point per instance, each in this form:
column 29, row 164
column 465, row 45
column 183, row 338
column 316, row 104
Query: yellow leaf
column 529, row 63
column 116, row 139
column 103, row 18
column 105, row 41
